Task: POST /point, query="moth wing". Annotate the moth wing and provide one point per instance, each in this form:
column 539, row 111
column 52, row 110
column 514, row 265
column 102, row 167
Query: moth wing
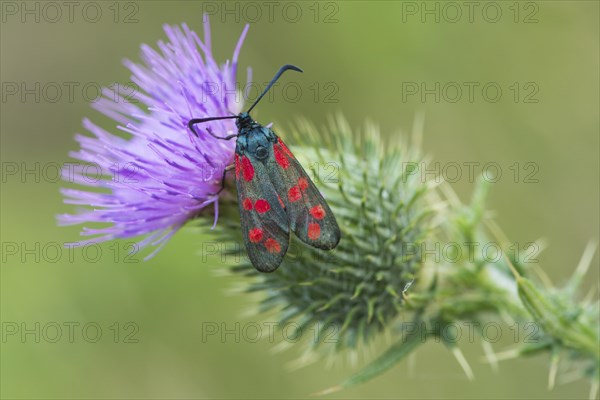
column 264, row 222
column 310, row 217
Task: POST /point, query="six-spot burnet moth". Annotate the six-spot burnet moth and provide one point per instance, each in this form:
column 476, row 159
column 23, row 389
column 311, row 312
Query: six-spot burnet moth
column 275, row 194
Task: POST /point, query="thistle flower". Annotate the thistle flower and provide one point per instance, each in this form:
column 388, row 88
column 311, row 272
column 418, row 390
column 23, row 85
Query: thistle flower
column 162, row 175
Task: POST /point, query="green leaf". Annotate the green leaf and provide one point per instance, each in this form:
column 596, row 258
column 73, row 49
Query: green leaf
column 387, row 360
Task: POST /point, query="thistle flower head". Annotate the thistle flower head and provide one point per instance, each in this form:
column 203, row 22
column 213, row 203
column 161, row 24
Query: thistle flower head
column 161, row 175
column 355, row 290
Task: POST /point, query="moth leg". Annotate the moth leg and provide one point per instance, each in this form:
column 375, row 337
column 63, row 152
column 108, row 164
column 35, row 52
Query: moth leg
column 225, row 171
column 195, row 121
column 229, row 137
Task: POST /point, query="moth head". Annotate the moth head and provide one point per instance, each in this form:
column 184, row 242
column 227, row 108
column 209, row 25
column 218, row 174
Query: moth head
column 243, row 120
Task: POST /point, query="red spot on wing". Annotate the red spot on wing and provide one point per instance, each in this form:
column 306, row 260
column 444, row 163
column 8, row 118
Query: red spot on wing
column 247, row 204
column 318, row 212
column 294, row 194
column 255, row 235
column 247, row 169
column 280, row 156
column 237, row 166
column 314, row 231
column 284, row 148
column 272, row 245
column 262, row 206
column 302, row 183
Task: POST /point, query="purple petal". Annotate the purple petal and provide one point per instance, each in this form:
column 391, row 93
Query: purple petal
column 162, row 175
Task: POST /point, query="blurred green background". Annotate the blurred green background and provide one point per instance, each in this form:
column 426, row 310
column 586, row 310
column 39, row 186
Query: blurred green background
column 371, row 52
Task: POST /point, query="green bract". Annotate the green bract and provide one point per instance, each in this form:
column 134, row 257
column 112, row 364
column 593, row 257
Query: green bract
column 350, row 293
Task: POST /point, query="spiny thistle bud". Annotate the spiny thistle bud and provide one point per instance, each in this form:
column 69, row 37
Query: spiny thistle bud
column 354, row 291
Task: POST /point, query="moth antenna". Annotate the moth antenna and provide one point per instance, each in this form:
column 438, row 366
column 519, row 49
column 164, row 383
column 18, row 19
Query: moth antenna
column 277, row 75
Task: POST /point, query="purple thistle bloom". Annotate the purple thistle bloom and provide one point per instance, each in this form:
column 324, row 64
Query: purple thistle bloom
column 163, row 175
